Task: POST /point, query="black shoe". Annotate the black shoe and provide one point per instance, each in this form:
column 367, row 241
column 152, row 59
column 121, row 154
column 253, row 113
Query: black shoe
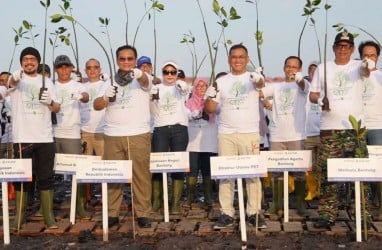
column 324, row 224
column 144, row 222
column 260, row 221
column 112, row 221
column 224, row 221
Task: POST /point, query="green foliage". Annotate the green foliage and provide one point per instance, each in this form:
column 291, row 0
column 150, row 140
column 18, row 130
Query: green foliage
column 308, row 11
column 341, row 27
column 359, row 137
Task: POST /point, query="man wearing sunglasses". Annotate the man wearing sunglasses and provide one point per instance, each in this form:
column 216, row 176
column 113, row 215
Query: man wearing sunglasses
column 127, row 133
column 344, row 92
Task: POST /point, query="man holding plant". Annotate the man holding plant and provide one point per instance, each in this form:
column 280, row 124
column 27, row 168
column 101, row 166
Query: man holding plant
column 236, row 97
column 344, row 91
column 29, row 110
column 127, row 132
column 372, row 97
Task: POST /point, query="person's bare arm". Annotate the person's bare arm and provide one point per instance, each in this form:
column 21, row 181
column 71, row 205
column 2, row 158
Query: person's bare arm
column 314, row 96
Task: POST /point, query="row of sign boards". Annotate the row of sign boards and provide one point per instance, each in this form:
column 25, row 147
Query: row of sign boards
column 92, row 169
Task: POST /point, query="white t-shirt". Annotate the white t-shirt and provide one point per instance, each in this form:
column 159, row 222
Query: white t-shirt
column 372, row 100
column 344, row 91
column 313, row 117
column 130, row 114
column 203, row 136
column 3, row 93
column 68, row 119
column 288, row 111
column 239, row 104
column 31, row 120
column 93, row 121
column 7, row 136
column 170, row 109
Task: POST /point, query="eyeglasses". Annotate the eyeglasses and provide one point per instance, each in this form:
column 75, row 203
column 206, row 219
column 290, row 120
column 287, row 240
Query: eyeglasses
column 343, row 46
column 92, row 67
column 172, row 72
column 124, row 59
column 238, row 57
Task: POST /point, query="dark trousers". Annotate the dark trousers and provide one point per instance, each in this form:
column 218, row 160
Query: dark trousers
column 42, row 155
column 172, row 138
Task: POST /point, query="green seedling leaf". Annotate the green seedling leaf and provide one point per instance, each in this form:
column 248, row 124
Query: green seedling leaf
column 223, row 12
column 26, row 24
column 215, row 6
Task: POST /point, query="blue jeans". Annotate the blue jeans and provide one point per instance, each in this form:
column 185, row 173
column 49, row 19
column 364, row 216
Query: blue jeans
column 200, row 161
column 374, row 137
column 172, row 138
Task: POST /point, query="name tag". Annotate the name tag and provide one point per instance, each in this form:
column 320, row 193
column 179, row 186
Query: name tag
column 354, row 169
column 287, row 160
column 100, row 171
column 169, row 162
column 68, row 163
column 239, row 166
column 15, row 170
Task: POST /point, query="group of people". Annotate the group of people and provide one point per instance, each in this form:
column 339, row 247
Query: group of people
column 134, row 113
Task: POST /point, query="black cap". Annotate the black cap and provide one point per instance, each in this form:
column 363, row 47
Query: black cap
column 344, row 37
column 181, row 73
column 30, row 51
column 62, row 60
column 39, row 69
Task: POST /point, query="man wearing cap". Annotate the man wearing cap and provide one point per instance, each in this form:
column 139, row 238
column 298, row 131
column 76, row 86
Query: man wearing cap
column 369, row 51
column 344, row 93
column 237, row 99
column 33, row 133
column 67, row 131
column 127, row 133
column 144, row 64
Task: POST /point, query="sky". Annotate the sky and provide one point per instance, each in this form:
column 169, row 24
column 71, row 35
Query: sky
column 280, row 21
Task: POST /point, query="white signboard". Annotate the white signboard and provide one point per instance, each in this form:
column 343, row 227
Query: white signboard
column 238, row 166
column 169, row 162
column 100, row 171
column 68, row 163
column 375, row 151
column 15, row 170
column 287, row 160
column 354, row 169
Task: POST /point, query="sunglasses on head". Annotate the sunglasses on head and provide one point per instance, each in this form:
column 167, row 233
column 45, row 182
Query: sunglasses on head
column 167, row 72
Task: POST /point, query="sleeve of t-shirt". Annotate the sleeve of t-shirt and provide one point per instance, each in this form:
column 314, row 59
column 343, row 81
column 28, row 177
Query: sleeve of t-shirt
column 268, row 90
column 315, row 84
column 102, row 90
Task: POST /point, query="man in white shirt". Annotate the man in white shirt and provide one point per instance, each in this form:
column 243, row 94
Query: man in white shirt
column 237, row 99
column 372, row 97
column 127, row 132
column 33, row 133
column 67, row 133
column 344, row 93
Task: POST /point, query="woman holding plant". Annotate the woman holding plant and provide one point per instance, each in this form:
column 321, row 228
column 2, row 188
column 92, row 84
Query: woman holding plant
column 170, row 129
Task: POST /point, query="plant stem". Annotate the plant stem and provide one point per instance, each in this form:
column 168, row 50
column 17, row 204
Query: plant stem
column 212, row 79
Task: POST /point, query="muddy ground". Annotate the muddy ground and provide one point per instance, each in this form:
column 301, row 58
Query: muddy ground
column 213, row 240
